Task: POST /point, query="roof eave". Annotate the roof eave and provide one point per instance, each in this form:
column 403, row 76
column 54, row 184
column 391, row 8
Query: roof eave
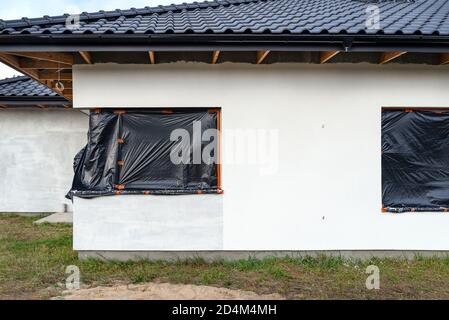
column 33, row 100
column 224, row 42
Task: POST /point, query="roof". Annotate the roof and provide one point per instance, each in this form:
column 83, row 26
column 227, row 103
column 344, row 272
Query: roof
column 397, row 17
column 21, row 91
column 24, row 87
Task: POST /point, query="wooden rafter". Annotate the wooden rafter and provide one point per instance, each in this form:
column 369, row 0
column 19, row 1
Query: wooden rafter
column 444, row 58
column 51, row 73
column 51, row 83
column 31, row 64
column 67, row 90
column 63, row 58
column 327, row 55
column 87, row 57
column 14, row 62
column 152, row 57
column 54, row 75
column 390, row 56
column 215, row 56
column 261, row 55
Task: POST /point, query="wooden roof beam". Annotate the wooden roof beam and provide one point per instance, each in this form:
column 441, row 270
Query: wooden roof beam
column 261, row 55
column 51, row 83
column 152, row 57
column 215, row 56
column 63, row 58
column 45, row 77
column 327, row 55
column 54, row 75
column 67, row 90
column 87, row 57
column 31, row 64
column 444, row 58
column 390, row 56
column 14, row 62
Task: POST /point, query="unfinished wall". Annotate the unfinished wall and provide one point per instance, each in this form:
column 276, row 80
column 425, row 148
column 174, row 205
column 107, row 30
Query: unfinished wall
column 37, row 148
column 325, row 191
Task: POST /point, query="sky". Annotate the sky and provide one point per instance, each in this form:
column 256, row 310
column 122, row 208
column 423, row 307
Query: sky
column 32, row 9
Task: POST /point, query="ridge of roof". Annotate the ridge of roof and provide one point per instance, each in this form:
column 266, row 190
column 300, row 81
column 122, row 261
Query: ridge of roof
column 102, row 14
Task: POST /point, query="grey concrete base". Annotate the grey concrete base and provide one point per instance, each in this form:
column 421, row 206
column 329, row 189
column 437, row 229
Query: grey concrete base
column 22, row 214
column 63, row 217
column 211, row 256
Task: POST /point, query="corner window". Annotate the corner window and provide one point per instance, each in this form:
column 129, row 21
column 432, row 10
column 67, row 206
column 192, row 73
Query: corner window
column 415, row 160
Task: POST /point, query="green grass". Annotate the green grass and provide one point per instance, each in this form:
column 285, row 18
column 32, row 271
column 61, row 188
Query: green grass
column 33, row 260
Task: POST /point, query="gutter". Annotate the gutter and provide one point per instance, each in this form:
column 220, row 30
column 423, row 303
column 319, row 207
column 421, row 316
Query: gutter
column 33, row 101
column 224, row 42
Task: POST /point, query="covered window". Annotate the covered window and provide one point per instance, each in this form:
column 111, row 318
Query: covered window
column 150, row 151
column 415, row 160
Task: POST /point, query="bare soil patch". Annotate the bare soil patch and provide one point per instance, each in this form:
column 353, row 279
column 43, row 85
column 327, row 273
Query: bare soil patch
column 163, row 291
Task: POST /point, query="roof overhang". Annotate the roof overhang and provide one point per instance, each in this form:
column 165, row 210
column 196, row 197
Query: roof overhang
column 224, row 42
column 14, row 101
column 33, row 102
column 49, row 58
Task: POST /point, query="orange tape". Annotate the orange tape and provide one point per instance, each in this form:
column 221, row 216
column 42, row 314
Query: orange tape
column 384, row 210
column 167, row 111
column 147, row 193
column 120, row 187
column 219, row 182
column 408, row 110
column 119, row 112
column 96, row 110
column 120, row 141
column 121, row 163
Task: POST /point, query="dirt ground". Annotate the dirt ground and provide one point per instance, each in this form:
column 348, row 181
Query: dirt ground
column 163, row 291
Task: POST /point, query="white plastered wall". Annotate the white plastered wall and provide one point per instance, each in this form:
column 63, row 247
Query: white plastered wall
column 326, row 194
column 37, row 148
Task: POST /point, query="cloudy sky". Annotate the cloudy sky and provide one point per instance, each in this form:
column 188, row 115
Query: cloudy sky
column 31, row 8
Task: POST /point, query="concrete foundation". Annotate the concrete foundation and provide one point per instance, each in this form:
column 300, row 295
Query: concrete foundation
column 62, row 217
column 211, row 256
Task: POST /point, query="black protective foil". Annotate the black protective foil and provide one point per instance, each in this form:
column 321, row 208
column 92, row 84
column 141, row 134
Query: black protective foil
column 415, row 160
column 128, row 152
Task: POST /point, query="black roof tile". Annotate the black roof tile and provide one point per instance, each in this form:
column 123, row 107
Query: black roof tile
column 25, row 87
column 428, row 17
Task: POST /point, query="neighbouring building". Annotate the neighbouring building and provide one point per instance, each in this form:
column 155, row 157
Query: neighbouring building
column 326, row 122
column 40, row 134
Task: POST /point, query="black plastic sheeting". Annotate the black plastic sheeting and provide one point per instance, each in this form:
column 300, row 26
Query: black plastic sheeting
column 129, row 152
column 415, row 160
